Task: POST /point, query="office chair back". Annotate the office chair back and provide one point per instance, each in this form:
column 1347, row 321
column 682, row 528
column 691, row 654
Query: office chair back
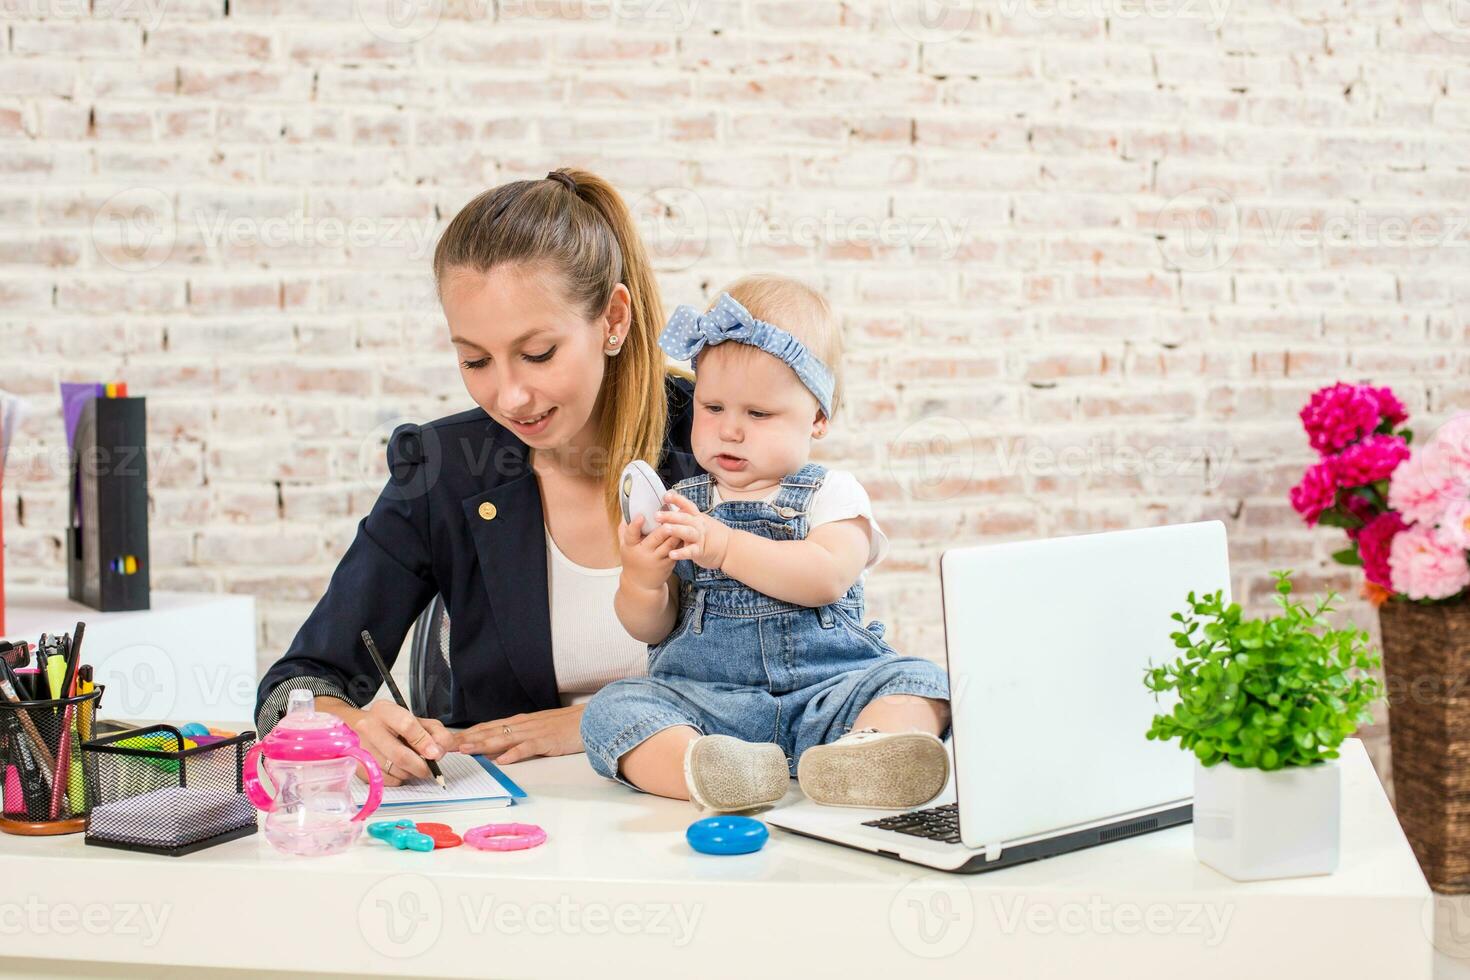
column 429, row 683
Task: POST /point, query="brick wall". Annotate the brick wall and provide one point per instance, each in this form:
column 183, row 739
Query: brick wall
column 1092, row 254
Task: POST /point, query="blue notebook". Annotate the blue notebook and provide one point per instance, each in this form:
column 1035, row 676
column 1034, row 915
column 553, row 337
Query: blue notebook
column 471, row 782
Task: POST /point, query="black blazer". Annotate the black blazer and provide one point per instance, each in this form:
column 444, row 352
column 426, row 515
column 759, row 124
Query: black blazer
column 433, row 530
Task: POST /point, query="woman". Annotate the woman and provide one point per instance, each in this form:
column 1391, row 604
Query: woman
column 509, row 511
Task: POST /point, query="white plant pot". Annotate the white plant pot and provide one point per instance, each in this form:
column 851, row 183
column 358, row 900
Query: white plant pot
column 1250, row 824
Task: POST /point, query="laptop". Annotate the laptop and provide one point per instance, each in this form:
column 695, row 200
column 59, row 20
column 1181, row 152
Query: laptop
column 1047, row 643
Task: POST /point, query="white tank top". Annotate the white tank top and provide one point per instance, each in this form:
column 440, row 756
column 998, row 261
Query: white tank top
column 589, row 647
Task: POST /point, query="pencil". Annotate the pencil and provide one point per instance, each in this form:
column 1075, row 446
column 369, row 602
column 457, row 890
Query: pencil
column 367, row 639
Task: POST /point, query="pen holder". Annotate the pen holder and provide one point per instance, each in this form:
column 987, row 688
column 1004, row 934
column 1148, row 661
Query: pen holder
column 154, row 793
column 41, row 746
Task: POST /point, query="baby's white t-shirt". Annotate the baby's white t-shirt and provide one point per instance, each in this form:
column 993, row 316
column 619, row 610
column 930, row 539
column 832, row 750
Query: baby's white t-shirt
column 839, row 497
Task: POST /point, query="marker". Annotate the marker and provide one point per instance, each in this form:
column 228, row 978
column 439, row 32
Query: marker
column 55, row 674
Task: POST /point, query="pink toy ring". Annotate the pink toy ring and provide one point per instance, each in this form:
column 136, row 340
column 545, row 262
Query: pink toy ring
column 505, row 836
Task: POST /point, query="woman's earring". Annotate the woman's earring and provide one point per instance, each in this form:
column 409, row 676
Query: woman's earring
column 612, row 345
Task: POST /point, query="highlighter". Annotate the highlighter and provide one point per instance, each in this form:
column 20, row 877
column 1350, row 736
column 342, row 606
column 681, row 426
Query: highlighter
column 55, row 673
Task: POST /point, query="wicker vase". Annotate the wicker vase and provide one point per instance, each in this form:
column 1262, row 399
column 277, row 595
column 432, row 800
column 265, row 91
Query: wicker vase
column 1426, row 666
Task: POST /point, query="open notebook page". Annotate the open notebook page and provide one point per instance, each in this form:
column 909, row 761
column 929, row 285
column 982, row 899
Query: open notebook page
column 466, row 782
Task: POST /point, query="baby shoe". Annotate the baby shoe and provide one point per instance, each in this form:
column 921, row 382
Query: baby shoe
column 726, row 774
column 870, row 768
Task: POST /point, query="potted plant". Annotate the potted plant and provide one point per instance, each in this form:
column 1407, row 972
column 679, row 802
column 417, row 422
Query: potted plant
column 1407, row 517
column 1263, row 704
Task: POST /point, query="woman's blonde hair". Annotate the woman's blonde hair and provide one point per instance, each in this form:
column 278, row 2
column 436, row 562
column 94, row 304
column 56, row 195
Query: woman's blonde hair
column 801, row 311
column 578, row 224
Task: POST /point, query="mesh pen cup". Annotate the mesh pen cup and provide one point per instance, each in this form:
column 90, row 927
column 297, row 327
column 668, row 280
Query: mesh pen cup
column 43, row 785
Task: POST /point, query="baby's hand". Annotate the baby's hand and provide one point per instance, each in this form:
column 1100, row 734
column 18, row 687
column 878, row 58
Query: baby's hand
column 704, row 540
column 646, row 561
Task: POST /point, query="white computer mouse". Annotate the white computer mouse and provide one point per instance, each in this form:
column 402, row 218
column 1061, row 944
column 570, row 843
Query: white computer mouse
column 641, row 493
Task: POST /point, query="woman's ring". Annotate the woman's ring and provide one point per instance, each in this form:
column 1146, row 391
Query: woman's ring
column 388, row 767
column 507, row 729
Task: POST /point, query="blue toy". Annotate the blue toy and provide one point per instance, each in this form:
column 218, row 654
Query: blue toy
column 727, row 835
column 410, row 840
column 381, row 829
column 193, row 730
column 402, row 834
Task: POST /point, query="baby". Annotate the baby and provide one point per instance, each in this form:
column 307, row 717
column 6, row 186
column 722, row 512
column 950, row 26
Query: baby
column 750, row 594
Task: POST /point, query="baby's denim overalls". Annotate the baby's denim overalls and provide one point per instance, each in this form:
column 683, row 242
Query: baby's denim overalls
column 744, row 664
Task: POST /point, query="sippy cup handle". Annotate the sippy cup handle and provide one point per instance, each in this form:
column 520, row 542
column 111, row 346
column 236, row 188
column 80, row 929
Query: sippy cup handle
column 250, row 776
column 375, row 782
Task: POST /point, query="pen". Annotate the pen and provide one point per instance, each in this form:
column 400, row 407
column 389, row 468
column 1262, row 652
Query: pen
column 73, row 660
column 28, row 684
column 62, row 686
column 33, row 788
column 41, row 654
column 86, row 686
column 8, row 683
column 63, row 759
column 367, row 639
column 35, row 778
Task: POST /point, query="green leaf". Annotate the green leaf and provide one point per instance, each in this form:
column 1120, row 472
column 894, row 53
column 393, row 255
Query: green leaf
column 1347, row 556
column 1336, row 518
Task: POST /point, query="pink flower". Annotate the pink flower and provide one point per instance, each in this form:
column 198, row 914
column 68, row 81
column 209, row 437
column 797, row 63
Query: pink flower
column 1389, row 406
column 1423, row 567
column 1316, row 492
column 1342, row 414
column 1422, row 487
column 1374, row 540
column 1454, row 525
column 1453, row 439
column 1373, row 459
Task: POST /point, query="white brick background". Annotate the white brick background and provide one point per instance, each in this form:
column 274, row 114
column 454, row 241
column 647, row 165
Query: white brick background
column 1092, row 255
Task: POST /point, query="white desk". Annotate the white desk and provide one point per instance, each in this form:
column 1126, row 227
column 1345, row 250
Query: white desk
column 616, row 892
column 190, row 657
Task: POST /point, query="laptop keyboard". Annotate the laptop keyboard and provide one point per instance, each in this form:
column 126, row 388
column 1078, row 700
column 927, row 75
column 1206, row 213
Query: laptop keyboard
column 938, row 823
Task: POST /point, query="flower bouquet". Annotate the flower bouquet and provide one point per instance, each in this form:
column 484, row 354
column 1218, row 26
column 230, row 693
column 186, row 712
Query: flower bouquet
column 1407, row 517
column 1406, row 513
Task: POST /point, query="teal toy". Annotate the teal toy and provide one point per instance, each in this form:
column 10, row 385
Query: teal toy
column 727, row 835
column 382, row 828
column 402, row 834
column 410, row 840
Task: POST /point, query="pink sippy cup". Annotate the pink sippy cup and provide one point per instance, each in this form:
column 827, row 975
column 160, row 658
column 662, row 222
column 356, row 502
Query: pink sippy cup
column 310, row 757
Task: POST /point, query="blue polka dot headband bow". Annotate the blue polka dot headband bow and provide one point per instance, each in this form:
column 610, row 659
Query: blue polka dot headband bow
column 689, row 332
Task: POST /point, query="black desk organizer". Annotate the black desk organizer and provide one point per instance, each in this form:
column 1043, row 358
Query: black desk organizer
column 31, row 736
column 116, row 773
column 107, row 534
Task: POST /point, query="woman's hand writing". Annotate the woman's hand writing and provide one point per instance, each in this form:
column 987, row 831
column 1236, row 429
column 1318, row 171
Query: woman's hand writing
column 399, row 741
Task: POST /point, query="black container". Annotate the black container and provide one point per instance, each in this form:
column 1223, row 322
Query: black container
column 33, row 737
column 163, row 798
column 107, row 564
